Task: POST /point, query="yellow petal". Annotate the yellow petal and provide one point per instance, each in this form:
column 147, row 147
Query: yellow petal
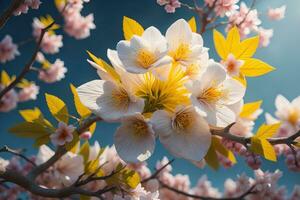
column 264, row 148
column 254, row 67
column 81, row 109
column 57, row 108
column 131, row 27
column 242, row 79
column 193, row 25
column 211, row 158
column 222, row 150
column 250, row 108
column 267, row 131
column 247, row 48
column 5, row 79
column 233, row 39
column 105, row 67
column 220, row 44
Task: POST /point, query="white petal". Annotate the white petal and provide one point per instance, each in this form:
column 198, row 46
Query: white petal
column 115, row 60
column 179, row 32
column 214, row 75
column 157, row 42
column 235, row 91
column 132, row 146
column 102, row 74
column 197, row 39
column 225, row 116
column 281, row 103
column 162, row 123
column 193, row 143
column 296, row 102
column 44, row 154
column 270, row 119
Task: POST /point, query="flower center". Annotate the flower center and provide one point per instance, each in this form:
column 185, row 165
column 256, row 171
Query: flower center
column 63, row 134
column 145, row 58
column 140, row 127
column 182, row 120
column 181, row 53
column 211, row 95
column 293, row 118
column 120, row 98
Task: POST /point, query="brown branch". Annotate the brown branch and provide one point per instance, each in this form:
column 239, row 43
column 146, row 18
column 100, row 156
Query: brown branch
column 61, row 150
column 225, row 133
column 242, row 196
column 157, row 172
column 31, row 186
column 17, row 153
column 26, row 68
column 10, row 11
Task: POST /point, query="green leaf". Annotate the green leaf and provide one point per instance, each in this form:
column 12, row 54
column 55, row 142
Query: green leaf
column 29, row 130
column 57, row 108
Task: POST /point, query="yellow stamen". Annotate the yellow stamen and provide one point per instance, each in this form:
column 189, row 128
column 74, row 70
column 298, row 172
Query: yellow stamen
column 120, row 98
column 211, row 95
column 293, row 117
column 183, row 120
column 145, row 58
column 181, row 53
column 140, row 127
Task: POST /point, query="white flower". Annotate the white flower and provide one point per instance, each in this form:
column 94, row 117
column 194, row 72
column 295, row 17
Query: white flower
column 63, row 134
column 145, row 52
column 109, row 100
column 134, row 139
column 3, row 164
column 66, row 170
column 185, row 47
column 184, row 133
column 288, row 112
column 215, row 95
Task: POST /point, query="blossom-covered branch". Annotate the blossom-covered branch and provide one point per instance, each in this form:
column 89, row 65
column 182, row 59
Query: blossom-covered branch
column 14, row 5
column 27, row 66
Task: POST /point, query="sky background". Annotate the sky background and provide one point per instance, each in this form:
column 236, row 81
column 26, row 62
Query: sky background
column 283, row 53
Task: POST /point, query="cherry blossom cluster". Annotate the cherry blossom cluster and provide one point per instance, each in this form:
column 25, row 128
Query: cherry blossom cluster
column 76, row 25
column 231, row 13
column 66, row 171
column 24, row 7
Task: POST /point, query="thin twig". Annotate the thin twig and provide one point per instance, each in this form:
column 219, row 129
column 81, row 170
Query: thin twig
column 250, row 8
column 156, row 173
column 10, row 11
column 26, row 68
column 17, row 153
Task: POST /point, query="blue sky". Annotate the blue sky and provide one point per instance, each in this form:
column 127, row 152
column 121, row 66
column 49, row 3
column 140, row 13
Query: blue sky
column 283, row 53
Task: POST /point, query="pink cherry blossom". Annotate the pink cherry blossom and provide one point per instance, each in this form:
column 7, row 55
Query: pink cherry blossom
column 79, row 26
column 205, row 188
column 8, row 50
column 63, row 134
column 247, row 20
column 296, row 193
column 277, row 13
column 292, row 159
column 170, row 5
column 8, row 101
column 225, row 7
column 232, row 65
column 54, row 72
column 51, row 42
column 86, row 135
column 3, row 164
column 253, row 160
column 29, row 92
column 24, row 7
column 264, row 36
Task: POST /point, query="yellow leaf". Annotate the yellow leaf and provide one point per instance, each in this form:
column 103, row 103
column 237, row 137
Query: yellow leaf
column 297, row 144
column 263, row 148
column 41, row 140
column 104, row 66
column 131, row 27
column 28, row 130
column 254, row 67
column 132, row 178
column 81, row 109
column 247, row 48
column 193, row 25
column 222, row 150
column 57, row 108
column 242, row 79
column 82, row 197
column 233, row 39
column 211, row 158
column 85, row 151
column 220, row 44
column 60, row 3
column 5, row 79
column 92, row 128
column 267, row 131
column 250, row 108
column 35, row 115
